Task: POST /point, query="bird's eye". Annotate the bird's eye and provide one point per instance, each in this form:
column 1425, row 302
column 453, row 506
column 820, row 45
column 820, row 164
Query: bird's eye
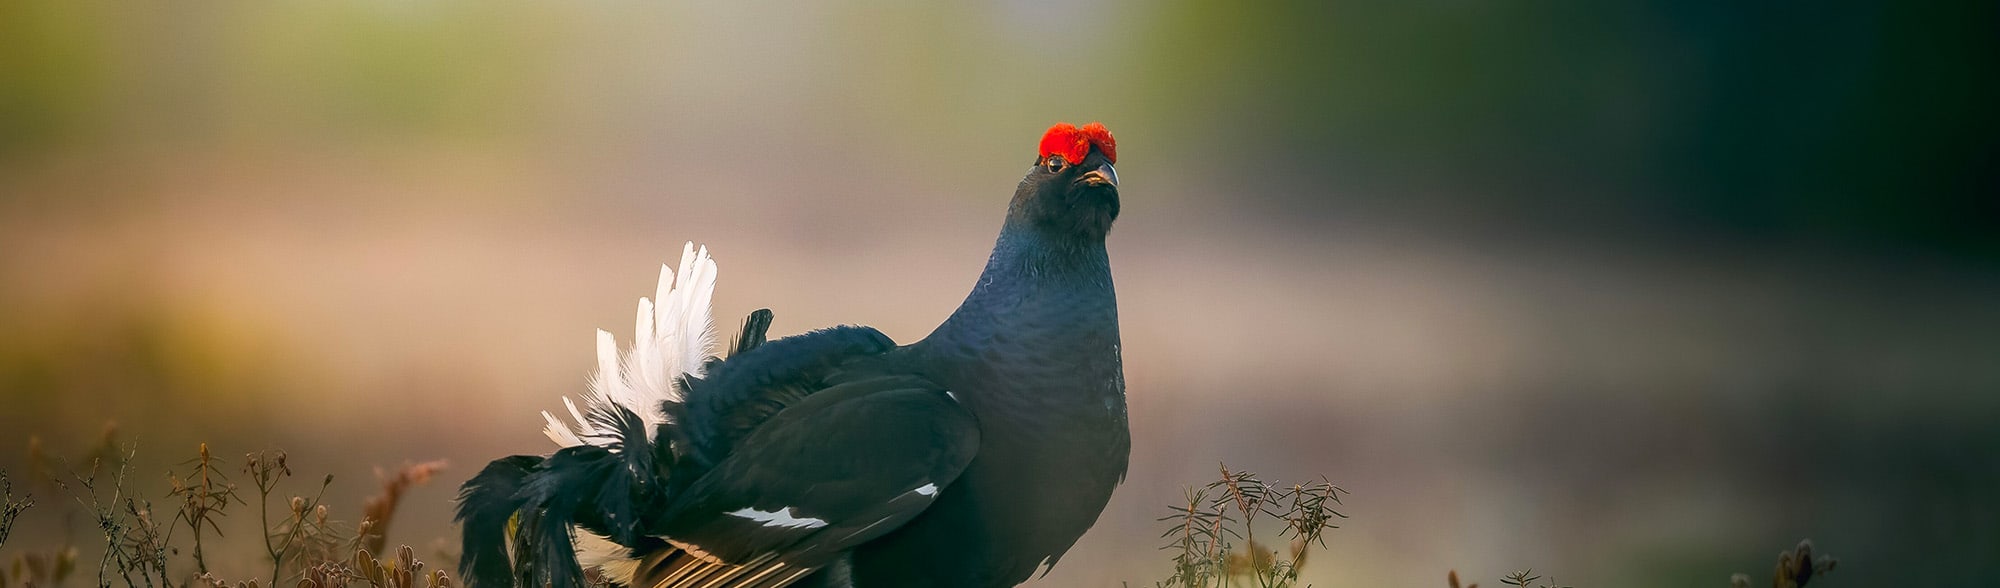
column 1054, row 163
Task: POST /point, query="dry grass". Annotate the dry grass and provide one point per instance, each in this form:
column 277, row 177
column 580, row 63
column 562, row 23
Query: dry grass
column 167, row 546
column 1796, row 567
column 1212, row 535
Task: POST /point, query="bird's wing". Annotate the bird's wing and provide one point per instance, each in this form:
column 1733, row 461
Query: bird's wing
column 740, row 394
column 843, row 466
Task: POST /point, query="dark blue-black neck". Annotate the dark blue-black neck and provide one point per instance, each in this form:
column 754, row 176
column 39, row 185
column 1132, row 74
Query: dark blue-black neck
column 1037, row 284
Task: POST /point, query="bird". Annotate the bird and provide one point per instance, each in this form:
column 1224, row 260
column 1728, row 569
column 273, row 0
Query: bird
column 971, row 458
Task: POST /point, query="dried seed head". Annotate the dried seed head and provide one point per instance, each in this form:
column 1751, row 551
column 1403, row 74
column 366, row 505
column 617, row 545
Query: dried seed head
column 298, row 505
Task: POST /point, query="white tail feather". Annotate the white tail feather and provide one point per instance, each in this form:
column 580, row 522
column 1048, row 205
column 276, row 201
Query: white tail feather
column 672, row 334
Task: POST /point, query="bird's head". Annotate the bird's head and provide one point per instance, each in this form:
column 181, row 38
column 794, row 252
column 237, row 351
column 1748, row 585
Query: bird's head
column 1072, row 191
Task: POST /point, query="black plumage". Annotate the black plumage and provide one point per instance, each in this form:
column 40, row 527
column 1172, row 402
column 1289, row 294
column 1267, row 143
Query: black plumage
column 836, row 458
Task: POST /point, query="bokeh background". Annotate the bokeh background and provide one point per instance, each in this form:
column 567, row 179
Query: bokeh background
column 1635, row 293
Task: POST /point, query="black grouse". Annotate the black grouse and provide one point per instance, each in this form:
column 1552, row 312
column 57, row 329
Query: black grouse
column 970, row 458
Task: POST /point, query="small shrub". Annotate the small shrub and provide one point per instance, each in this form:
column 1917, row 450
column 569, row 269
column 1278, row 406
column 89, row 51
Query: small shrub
column 10, row 508
column 1213, row 533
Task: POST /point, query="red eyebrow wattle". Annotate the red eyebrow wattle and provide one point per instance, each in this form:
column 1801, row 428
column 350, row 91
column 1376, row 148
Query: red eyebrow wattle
column 1074, row 144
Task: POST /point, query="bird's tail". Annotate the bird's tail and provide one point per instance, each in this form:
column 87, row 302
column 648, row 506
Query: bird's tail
column 672, row 336
column 613, row 465
column 486, row 507
column 587, row 490
column 579, row 510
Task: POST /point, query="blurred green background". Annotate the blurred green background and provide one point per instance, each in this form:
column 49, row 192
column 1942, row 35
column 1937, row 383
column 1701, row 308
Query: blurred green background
column 1637, row 293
